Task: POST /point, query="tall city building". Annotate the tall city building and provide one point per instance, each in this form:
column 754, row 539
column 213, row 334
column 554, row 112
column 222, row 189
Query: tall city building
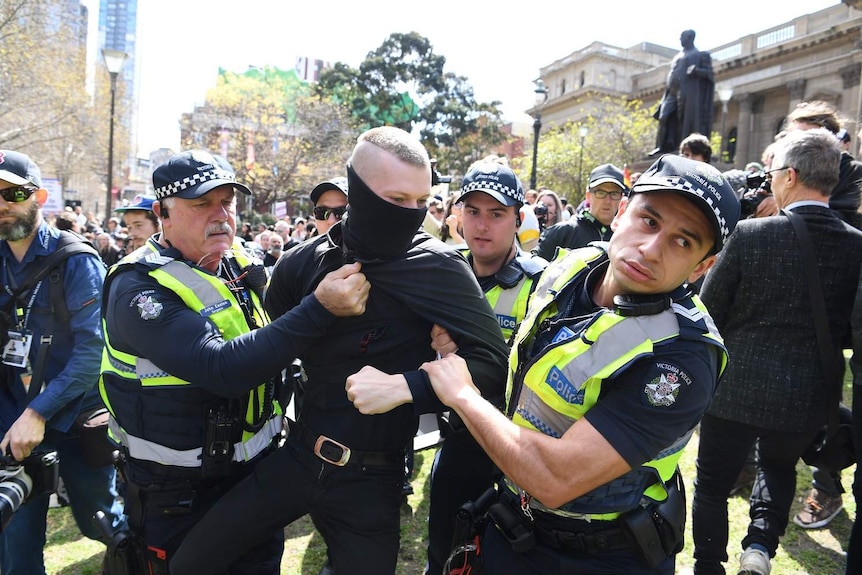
column 118, row 30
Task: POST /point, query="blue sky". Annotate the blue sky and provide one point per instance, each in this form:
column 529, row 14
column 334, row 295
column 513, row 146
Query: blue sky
column 499, row 47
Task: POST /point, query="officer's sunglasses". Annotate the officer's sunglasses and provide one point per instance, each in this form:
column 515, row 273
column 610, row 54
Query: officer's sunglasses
column 323, row 213
column 17, row 194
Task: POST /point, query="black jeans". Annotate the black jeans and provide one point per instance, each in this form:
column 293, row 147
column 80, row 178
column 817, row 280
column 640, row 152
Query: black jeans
column 721, row 454
column 357, row 508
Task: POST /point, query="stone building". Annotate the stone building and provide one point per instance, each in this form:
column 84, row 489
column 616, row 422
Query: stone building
column 816, row 56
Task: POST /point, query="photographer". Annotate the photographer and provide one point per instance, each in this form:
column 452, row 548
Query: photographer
column 451, row 231
column 60, row 351
column 757, row 200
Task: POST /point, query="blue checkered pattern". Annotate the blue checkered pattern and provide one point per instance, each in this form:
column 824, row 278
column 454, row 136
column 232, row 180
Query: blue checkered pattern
column 191, row 181
column 684, row 185
column 494, row 186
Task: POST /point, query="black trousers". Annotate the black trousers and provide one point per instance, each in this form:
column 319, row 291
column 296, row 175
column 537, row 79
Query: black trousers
column 166, row 531
column 357, row 508
column 462, row 472
column 723, row 448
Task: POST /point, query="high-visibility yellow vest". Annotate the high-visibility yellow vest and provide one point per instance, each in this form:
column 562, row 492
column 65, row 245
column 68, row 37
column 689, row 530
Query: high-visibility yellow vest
column 550, row 391
column 171, row 429
column 510, row 304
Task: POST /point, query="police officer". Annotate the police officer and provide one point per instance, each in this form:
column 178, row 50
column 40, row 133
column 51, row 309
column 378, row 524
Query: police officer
column 612, row 368
column 344, row 468
column 491, row 196
column 189, row 366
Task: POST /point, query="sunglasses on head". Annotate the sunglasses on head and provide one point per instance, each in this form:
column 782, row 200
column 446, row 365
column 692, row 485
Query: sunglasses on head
column 323, row 213
column 17, row 194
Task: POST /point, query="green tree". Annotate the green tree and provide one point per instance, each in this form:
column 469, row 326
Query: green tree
column 280, row 138
column 45, row 109
column 403, row 83
column 619, row 131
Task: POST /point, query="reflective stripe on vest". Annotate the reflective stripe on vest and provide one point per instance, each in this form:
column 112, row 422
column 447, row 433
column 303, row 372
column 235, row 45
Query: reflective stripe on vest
column 206, row 294
column 150, row 451
column 510, row 305
column 564, row 381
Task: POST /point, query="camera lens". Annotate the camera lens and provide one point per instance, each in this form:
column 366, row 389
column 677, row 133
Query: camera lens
column 14, row 489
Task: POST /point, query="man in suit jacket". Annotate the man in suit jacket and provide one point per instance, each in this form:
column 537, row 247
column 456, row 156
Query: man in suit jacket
column 774, row 391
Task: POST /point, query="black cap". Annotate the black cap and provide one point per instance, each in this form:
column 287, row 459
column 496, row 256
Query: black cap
column 339, row 184
column 18, row 169
column 699, row 181
column 607, row 173
column 193, row 173
column 496, row 180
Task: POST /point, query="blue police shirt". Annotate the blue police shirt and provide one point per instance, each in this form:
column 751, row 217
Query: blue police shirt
column 73, row 364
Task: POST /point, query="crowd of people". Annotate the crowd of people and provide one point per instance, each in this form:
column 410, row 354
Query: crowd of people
column 570, row 353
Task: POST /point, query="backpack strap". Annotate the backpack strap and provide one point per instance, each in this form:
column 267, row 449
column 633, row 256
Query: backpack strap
column 69, row 244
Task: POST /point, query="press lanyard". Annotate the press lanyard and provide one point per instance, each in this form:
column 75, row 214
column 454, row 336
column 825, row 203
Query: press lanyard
column 19, row 312
column 29, row 307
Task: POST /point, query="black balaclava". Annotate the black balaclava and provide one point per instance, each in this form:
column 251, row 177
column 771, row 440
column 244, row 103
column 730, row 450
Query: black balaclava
column 375, row 229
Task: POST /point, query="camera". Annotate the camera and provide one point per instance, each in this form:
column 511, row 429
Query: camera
column 37, row 475
column 757, row 188
column 437, row 178
column 541, row 212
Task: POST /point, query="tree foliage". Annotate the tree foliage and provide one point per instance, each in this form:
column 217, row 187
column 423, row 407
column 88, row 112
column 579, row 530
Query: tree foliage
column 403, row 83
column 619, row 132
column 280, row 138
column 45, row 109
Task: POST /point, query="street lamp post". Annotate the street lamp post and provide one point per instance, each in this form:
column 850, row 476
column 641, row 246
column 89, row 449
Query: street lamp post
column 114, row 60
column 724, row 94
column 541, row 98
column 582, row 132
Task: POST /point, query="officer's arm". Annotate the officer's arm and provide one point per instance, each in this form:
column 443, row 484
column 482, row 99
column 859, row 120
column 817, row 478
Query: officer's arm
column 151, row 322
column 552, row 470
column 652, row 405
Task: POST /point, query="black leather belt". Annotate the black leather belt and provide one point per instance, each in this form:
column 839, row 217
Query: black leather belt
column 340, row 455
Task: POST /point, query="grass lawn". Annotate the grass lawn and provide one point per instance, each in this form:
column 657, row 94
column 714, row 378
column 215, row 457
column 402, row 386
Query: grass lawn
column 818, row 552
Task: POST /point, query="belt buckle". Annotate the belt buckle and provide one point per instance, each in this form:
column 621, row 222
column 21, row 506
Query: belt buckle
column 324, row 442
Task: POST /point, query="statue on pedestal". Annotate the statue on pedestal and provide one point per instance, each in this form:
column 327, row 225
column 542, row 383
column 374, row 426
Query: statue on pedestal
column 686, row 106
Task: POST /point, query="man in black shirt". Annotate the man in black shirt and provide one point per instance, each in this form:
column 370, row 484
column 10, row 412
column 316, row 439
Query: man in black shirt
column 593, row 224
column 342, row 467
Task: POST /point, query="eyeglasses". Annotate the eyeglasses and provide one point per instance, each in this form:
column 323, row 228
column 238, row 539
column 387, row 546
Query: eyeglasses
column 17, row 194
column 602, row 194
column 323, row 212
column 768, row 173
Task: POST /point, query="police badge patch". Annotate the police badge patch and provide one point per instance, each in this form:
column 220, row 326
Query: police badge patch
column 663, row 389
column 148, row 306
